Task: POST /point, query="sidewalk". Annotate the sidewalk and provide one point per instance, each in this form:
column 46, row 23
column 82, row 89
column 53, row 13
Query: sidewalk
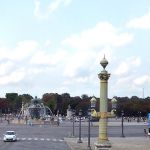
column 118, row 143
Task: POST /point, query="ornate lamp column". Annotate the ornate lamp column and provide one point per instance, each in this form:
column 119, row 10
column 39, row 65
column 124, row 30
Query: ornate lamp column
column 102, row 142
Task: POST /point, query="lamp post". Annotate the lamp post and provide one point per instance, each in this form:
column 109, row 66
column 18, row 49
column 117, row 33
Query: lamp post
column 89, row 130
column 93, row 105
column 139, row 116
column 73, row 115
column 114, row 106
column 93, row 102
column 5, row 113
column 103, row 142
column 1, row 114
column 80, row 114
column 122, row 120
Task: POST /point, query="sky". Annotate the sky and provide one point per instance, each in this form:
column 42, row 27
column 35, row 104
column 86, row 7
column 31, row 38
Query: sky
column 55, row 46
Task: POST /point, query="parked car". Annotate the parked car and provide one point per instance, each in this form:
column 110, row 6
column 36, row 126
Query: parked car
column 10, row 136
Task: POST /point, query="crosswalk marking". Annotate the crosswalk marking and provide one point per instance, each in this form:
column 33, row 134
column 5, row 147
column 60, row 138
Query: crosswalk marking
column 29, row 139
column 54, row 140
column 42, row 139
column 37, row 139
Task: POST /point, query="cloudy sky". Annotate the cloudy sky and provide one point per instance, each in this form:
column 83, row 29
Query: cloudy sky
column 56, row 46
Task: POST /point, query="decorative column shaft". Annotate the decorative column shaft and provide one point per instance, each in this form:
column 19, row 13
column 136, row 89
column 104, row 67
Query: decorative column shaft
column 102, row 142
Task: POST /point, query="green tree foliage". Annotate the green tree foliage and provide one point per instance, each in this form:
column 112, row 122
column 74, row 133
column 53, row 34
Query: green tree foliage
column 15, row 101
column 26, row 98
column 133, row 106
column 12, row 99
column 65, row 102
column 49, row 99
column 4, row 104
column 84, row 96
column 74, row 102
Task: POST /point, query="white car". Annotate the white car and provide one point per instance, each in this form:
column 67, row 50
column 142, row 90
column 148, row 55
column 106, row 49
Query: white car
column 10, row 136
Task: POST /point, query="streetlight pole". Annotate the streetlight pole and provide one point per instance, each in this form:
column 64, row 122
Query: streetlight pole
column 89, row 130
column 93, row 105
column 79, row 140
column 103, row 142
column 140, row 117
column 73, row 115
column 122, row 120
column 1, row 114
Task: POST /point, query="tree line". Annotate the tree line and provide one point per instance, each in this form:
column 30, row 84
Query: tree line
column 58, row 103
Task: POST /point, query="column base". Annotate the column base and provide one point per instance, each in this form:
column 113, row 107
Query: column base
column 103, row 145
column 79, row 141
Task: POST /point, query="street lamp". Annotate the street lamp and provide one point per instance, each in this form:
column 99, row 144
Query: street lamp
column 93, row 102
column 89, row 132
column 114, row 106
column 73, row 115
column 1, row 114
column 103, row 142
column 139, row 116
column 122, row 120
column 80, row 114
column 93, row 105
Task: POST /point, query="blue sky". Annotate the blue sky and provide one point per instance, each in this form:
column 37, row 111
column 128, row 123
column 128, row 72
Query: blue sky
column 56, row 46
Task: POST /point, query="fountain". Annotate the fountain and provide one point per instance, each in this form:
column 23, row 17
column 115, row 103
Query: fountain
column 34, row 112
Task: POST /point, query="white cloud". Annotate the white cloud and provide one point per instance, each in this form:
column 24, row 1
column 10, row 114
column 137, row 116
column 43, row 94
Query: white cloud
column 54, row 5
column 123, row 82
column 24, row 49
column 142, row 80
column 21, row 51
column 90, row 45
column 40, row 58
column 13, row 77
column 4, row 52
column 50, row 9
column 126, row 66
column 142, row 22
column 78, row 61
column 47, row 43
column 46, row 58
column 103, row 34
column 5, row 67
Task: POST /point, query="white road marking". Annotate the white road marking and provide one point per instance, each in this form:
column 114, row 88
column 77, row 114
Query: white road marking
column 48, row 139
column 38, row 139
column 35, row 139
column 42, row 139
column 29, row 139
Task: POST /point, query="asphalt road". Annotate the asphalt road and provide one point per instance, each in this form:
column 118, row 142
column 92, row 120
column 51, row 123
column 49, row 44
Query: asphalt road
column 48, row 137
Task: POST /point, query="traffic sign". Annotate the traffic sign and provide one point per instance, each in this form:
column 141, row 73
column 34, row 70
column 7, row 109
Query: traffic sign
column 149, row 116
column 148, row 123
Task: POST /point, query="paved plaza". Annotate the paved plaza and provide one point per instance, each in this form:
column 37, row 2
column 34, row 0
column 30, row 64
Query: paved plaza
column 118, row 143
column 48, row 137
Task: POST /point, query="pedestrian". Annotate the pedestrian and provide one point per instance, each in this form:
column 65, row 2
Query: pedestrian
column 26, row 119
column 58, row 122
column 148, row 133
column 8, row 121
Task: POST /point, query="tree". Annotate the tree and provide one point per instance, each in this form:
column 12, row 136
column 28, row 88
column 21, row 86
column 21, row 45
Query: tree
column 84, row 96
column 26, row 98
column 49, row 99
column 12, row 99
column 65, row 102
column 4, row 104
